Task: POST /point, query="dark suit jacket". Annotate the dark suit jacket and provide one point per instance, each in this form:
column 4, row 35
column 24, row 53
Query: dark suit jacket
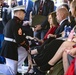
column 61, row 27
column 47, row 7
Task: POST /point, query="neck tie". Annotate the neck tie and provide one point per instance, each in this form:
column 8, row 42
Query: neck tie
column 40, row 8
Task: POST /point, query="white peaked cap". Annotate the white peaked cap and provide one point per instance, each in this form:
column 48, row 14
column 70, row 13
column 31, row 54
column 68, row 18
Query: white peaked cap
column 21, row 7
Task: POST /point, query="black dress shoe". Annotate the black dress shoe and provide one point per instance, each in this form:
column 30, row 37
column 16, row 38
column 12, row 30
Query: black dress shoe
column 18, row 73
column 45, row 67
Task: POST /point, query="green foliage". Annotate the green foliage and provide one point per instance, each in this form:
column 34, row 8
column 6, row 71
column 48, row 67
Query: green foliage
column 33, row 0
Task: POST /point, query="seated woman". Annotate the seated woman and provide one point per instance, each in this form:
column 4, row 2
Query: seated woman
column 53, row 26
column 71, row 50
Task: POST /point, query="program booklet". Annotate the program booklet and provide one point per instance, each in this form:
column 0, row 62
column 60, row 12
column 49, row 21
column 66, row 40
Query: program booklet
column 37, row 19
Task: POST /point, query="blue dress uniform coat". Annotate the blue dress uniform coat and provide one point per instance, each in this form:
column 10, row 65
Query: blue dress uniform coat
column 13, row 30
column 13, row 38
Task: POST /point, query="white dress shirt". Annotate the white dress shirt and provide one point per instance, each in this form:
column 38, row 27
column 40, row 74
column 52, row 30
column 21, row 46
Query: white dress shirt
column 43, row 1
column 26, row 4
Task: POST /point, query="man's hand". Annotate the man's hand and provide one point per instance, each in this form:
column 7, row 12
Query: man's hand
column 37, row 27
column 51, row 35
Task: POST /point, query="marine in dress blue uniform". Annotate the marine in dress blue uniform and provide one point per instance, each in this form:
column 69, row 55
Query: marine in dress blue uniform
column 13, row 38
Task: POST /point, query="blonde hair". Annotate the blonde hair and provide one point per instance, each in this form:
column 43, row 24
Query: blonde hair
column 73, row 6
